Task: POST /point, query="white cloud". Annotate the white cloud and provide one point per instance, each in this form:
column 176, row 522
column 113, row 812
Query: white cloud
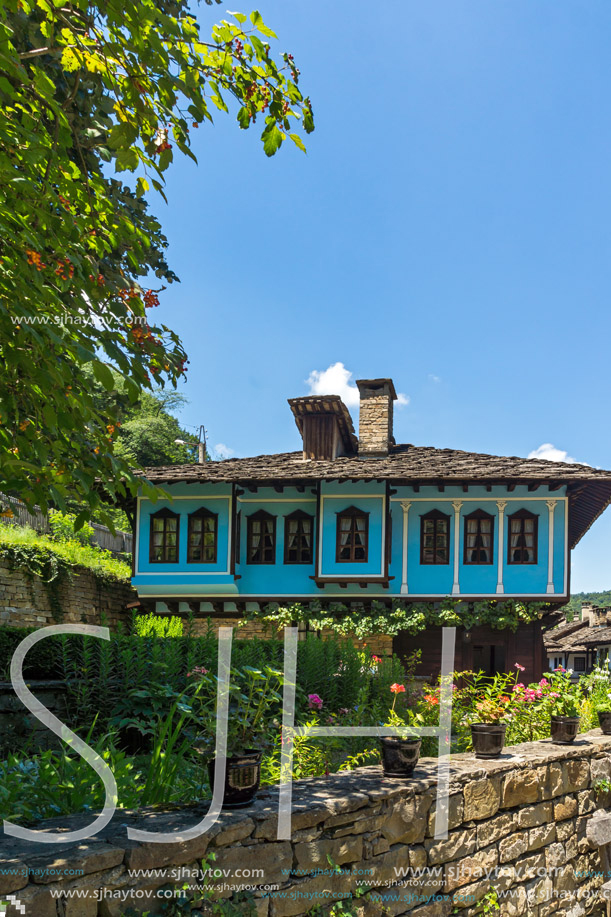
column 337, row 380
column 550, row 453
column 221, row 451
column 434, row 378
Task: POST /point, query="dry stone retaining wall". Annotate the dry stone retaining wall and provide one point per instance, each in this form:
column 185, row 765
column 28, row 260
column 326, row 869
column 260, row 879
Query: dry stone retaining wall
column 517, row 825
column 84, row 599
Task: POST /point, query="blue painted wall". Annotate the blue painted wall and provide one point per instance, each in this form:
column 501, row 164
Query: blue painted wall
column 297, row 580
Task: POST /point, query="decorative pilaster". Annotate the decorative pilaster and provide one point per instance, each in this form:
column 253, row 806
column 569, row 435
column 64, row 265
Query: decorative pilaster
column 501, row 504
column 457, row 504
column 405, row 505
column 551, row 505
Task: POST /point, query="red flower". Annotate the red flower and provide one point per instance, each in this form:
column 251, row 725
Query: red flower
column 397, row 689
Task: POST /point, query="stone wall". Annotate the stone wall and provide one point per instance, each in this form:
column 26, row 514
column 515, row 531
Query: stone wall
column 18, row 728
column 376, row 644
column 517, row 826
column 25, row 601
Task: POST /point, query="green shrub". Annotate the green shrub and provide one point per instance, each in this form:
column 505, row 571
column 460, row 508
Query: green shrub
column 62, row 528
column 153, row 625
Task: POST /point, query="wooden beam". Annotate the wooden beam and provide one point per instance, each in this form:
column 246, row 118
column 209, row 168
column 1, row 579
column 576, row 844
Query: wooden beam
column 554, row 486
column 511, row 487
column 416, row 488
column 465, row 488
column 279, row 488
column 300, row 488
column 488, row 487
column 535, row 486
column 441, row 488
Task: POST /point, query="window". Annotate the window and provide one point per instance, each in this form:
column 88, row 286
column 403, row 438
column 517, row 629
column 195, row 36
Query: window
column 351, row 543
column 163, row 543
column 298, row 531
column 522, row 547
column 434, row 538
column 261, row 538
column 579, row 664
column 202, row 537
column 479, row 536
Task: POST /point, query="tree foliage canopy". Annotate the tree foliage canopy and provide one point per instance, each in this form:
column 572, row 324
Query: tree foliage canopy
column 89, row 90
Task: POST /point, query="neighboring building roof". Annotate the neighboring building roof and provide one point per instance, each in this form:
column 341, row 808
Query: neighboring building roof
column 596, row 636
column 590, row 488
column 557, row 636
column 576, row 637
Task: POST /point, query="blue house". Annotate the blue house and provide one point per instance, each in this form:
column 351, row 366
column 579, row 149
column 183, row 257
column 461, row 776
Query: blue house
column 347, row 519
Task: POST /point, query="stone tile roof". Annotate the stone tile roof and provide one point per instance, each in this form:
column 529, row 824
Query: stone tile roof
column 590, row 487
column 404, row 462
column 576, row 637
column 566, row 637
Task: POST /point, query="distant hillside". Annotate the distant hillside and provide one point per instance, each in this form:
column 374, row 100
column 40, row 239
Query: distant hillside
column 596, row 598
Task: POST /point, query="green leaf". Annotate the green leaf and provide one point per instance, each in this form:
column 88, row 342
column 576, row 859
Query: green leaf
column 122, row 135
column 244, row 118
column 142, row 186
column 126, row 160
column 265, row 30
column 272, row 140
column 103, row 374
column 298, row 142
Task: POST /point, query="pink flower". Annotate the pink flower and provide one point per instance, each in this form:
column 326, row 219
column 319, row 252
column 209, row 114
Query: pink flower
column 543, row 682
column 397, row 689
column 314, row 702
column 198, row 670
column 519, row 667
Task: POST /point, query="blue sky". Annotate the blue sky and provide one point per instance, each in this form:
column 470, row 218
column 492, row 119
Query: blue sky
column 449, row 227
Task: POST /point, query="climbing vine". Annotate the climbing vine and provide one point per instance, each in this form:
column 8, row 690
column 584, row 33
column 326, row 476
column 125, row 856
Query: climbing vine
column 361, row 620
column 51, row 569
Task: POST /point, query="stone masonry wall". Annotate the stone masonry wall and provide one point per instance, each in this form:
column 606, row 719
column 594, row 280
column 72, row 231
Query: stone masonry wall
column 376, row 644
column 24, row 601
column 517, row 826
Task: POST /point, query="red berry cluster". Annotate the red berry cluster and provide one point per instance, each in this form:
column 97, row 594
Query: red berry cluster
column 99, row 280
column 35, row 259
column 125, row 295
column 64, row 269
column 150, row 299
column 239, row 47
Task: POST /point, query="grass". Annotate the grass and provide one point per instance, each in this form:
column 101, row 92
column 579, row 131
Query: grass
column 98, row 560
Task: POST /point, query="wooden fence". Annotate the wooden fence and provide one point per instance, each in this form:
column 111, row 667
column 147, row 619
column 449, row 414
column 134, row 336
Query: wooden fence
column 121, row 543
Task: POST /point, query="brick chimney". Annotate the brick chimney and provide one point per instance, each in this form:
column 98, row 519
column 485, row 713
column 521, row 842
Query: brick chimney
column 375, row 417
